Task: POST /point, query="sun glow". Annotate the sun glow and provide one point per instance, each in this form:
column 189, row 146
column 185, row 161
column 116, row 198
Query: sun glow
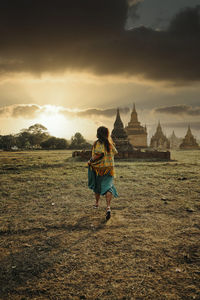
column 60, row 125
column 55, row 122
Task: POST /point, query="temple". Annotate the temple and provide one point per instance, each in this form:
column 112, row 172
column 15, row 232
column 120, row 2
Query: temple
column 124, row 147
column 137, row 134
column 159, row 140
column 119, row 135
column 189, row 142
column 174, row 141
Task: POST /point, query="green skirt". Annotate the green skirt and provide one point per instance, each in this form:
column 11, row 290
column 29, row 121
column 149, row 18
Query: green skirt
column 101, row 184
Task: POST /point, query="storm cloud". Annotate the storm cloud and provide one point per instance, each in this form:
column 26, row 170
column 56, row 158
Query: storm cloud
column 17, row 111
column 103, row 112
column 56, row 36
column 94, row 112
column 179, row 110
column 182, row 125
column 33, row 111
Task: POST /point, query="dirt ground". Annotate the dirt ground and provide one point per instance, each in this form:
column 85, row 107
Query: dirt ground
column 54, row 245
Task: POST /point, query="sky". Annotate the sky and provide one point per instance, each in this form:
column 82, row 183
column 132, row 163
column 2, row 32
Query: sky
column 69, row 65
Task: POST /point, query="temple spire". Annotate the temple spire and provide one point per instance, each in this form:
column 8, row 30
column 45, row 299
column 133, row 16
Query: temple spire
column 119, row 135
column 173, row 134
column 159, row 128
column 118, row 122
column 159, row 140
column 134, row 118
column 137, row 134
column 189, row 130
column 189, row 142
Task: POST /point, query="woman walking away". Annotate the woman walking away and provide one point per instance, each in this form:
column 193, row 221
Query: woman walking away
column 101, row 168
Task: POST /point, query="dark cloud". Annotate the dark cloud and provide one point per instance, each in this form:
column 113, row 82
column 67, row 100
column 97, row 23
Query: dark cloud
column 179, row 110
column 94, row 112
column 182, row 125
column 100, row 112
column 32, row 111
column 132, row 14
column 17, row 111
column 49, row 36
column 29, row 111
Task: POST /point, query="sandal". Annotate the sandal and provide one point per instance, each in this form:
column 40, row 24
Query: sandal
column 95, row 206
column 108, row 214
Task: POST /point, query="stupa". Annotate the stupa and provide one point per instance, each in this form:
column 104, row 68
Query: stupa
column 137, row 134
column 159, row 140
column 119, row 135
column 174, row 141
column 189, row 142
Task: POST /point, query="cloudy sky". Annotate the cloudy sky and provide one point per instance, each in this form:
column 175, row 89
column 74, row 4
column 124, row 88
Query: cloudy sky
column 68, row 64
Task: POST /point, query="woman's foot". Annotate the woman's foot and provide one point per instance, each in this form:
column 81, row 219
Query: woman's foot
column 97, row 197
column 108, row 214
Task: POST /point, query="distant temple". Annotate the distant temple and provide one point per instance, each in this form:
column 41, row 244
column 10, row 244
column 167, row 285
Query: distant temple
column 174, row 141
column 159, row 140
column 137, row 134
column 189, row 142
column 119, row 135
column 124, row 147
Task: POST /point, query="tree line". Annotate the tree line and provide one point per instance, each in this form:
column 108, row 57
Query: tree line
column 37, row 137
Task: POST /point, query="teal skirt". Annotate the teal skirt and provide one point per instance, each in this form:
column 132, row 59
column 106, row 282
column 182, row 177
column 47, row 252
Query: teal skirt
column 101, row 184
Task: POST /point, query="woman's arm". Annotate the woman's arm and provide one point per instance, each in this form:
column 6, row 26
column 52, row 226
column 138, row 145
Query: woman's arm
column 114, row 149
column 95, row 158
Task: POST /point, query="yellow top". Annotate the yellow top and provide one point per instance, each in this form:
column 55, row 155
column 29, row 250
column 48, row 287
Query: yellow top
column 104, row 165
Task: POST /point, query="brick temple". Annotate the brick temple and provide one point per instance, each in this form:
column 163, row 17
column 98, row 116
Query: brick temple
column 124, row 147
column 119, row 135
column 174, row 141
column 137, row 134
column 159, row 140
column 189, row 142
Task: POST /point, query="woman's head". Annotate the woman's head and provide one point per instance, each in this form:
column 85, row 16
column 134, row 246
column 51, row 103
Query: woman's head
column 102, row 133
column 103, row 137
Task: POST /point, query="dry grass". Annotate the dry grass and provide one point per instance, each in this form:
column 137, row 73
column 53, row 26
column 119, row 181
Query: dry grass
column 53, row 245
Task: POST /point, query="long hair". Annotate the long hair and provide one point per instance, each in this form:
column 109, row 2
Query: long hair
column 103, row 137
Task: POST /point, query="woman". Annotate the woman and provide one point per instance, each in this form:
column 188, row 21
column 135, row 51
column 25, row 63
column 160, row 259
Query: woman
column 101, row 168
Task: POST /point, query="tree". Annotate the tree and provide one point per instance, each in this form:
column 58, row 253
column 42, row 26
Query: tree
column 61, row 143
column 33, row 136
column 78, row 142
column 7, row 142
column 54, row 143
column 23, row 140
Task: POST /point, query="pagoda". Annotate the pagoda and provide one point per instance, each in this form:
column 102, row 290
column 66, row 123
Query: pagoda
column 174, row 141
column 137, row 134
column 189, row 142
column 159, row 140
column 119, row 135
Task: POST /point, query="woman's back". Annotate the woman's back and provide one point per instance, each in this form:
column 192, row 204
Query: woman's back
column 107, row 159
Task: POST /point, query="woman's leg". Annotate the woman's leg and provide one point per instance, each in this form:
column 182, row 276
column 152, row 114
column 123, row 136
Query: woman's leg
column 97, row 197
column 108, row 199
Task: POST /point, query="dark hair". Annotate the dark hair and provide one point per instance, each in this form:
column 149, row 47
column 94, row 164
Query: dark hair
column 102, row 135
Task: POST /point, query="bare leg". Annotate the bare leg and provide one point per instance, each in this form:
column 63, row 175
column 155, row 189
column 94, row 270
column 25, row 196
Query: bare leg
column 108, row 199
column 97, row 197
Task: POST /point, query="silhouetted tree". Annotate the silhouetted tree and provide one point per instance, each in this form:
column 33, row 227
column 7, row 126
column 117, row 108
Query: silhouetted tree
column 78, row 142
column 7, row 142
column 23, row 140
column 61, row 143
column 33, row 136
column 54, row 143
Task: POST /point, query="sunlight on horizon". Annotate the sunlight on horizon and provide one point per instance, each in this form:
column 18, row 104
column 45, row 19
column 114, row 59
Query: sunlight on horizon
column 61, row 126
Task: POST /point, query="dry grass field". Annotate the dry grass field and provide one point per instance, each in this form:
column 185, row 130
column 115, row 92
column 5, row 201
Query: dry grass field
column 54, row 245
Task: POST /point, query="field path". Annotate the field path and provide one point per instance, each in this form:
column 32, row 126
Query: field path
column 54, row 245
